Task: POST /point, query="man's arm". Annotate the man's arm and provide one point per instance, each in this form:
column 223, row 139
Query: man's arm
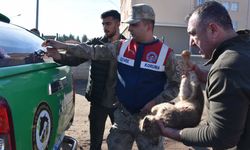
column 64, row 58
column 70, row 60
column 94, row 52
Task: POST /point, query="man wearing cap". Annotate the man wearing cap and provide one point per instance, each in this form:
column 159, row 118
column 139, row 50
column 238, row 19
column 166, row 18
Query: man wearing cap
column 146, row 75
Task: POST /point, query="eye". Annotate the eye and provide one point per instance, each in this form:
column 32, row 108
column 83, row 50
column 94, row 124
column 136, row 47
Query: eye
column 193, row 33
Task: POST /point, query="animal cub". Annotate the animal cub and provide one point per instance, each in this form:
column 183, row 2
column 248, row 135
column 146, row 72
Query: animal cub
column 185, row 111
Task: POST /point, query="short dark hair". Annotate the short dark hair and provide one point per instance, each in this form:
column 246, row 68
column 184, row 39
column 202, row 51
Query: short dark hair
column 111, row 13
column 212, row 11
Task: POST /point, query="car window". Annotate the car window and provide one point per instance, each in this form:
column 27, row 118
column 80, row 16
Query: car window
column 19, row 46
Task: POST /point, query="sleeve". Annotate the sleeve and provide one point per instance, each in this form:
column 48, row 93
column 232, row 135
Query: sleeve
column 70, row 60
column 73, row 60
column 96, row 41
column 227, row 113
column 107, row 51
column 171, row 87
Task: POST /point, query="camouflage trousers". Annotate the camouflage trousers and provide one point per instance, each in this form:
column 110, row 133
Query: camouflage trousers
column 125, row 131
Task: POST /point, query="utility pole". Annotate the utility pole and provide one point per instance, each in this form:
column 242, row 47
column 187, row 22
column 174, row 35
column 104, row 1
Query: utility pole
column 37, row 13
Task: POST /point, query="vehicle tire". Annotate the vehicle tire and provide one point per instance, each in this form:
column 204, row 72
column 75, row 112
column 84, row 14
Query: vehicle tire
column 42, row 127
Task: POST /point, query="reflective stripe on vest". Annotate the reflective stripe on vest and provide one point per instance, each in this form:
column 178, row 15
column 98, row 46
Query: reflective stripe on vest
column 158, row 66
column 121, row 58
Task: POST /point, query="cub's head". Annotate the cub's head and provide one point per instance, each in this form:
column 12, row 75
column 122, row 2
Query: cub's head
column 149, row 127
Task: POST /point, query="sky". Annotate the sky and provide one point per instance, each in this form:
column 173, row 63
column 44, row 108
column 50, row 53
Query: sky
column 77, row 17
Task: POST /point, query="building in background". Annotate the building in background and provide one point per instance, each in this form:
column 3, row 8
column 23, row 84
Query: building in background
column 170, row 22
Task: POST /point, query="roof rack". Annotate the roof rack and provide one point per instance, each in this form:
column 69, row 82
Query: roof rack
column 4, row 18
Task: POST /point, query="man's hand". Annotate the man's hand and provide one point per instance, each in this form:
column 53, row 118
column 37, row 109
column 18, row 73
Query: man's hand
column 52, row 52
column 54, row 44
column 52, row 47
column 169, row 132
column 147, row 107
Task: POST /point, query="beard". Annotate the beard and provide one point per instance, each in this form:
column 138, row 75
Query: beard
column 109, row 34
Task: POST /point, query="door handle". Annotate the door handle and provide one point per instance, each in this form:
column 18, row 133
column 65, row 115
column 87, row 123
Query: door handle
column 57, row 85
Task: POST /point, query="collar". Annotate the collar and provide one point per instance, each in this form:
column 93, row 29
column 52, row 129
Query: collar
column 242, row 36
column 155, row 40
column 106, row 39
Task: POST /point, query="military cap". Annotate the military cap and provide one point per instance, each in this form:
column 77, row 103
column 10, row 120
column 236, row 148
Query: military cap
column 140, row 12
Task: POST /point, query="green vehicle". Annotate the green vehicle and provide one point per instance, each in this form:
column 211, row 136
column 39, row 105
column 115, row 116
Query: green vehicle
column 36, row 95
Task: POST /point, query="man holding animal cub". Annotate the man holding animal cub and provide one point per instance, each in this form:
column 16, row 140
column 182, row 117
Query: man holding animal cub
column 228, row 82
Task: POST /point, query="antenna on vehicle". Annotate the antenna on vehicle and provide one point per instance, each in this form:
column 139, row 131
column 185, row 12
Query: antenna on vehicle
column 4, row 18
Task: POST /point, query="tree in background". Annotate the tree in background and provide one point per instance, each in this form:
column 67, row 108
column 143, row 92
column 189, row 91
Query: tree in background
column 84, row 38
column 64, row 38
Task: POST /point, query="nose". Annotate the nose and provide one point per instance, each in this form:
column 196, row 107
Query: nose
column 191, row 42
column 129, row 28
column 104, row 26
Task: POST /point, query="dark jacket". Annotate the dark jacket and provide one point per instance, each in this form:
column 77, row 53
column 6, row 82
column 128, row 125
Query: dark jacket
column 228, row 92
column 102, row 78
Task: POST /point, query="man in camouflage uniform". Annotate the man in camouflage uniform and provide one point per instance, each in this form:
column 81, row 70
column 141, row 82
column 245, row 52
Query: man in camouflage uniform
column 146, row 72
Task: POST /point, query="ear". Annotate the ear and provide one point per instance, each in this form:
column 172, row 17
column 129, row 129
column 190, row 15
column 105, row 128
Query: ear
column 213, row 30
